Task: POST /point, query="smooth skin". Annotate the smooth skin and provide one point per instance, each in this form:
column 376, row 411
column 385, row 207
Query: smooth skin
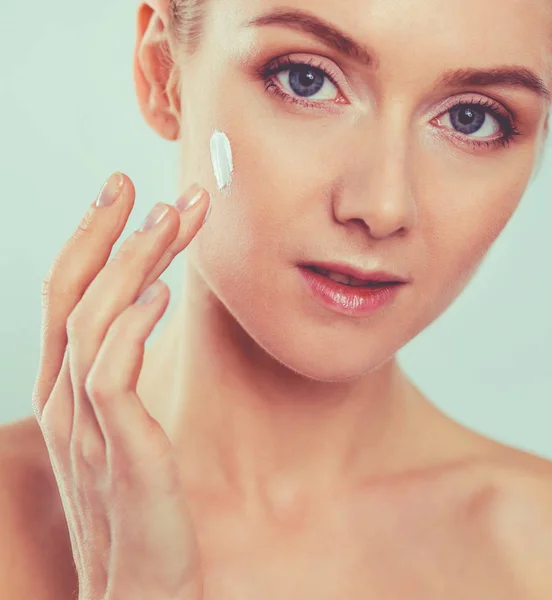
column 310, row 465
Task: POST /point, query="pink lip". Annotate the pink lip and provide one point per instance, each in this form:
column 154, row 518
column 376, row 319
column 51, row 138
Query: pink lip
column 352, row 300
column 357, row 273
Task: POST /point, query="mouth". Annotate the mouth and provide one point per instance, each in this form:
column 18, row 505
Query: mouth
column 368, row 280
column 348, row 290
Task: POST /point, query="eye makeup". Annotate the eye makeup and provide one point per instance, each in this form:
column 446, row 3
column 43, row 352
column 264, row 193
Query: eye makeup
column 464, row 114
column 304, row 70
column 475, row 112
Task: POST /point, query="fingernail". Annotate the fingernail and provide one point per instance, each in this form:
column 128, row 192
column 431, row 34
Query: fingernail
column 221, row 157
column 150, row 293
column 207, row 214
column 155, row 216
column 110, row 190
column 189, row 198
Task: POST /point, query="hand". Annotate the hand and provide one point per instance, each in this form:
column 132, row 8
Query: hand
column 131, row 535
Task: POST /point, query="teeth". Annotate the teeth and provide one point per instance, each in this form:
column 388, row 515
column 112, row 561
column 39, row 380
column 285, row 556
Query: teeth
column 345, row 279
column 340, row 278
column 359, row 282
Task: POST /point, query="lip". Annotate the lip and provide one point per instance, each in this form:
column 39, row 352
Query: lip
column 357, row 273
column 353, row 301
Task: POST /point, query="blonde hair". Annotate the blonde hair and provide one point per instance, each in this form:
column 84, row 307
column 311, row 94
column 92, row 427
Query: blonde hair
column 186, row 23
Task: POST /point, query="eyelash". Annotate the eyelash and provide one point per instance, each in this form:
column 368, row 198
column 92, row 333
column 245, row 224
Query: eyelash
column 283, row 64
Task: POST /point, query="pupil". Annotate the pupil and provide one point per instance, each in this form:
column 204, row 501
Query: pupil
column 306, row 81
column 467, row 119
column 306, row 78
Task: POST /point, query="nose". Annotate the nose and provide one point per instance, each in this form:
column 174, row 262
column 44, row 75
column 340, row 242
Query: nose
column 376, row 193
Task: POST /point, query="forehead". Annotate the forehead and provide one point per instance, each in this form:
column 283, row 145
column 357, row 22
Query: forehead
column 440, row 33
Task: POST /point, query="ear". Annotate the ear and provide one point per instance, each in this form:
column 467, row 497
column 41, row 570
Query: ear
column 156, row 74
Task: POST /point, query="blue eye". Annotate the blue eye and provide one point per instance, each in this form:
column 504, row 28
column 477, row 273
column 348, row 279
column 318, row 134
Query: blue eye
column 300, row 82
column 466, row 120
column 474, row 121
column 303, row 80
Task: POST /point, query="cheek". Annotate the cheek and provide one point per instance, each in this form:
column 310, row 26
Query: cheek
column 462, row 228
column 277, row 183
column 264, row 222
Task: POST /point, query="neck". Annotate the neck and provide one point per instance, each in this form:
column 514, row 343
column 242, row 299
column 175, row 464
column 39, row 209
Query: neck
column 260, row 429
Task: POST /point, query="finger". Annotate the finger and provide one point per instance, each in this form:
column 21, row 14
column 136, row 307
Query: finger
column 119, row 282
column 113, row 289
column 181, row 241
column 57, row 417
column 71, row 444
column 56, row 423
column 81, row 258
column 111, row 382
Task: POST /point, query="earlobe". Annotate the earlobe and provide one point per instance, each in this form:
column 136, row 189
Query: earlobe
column 155, row 76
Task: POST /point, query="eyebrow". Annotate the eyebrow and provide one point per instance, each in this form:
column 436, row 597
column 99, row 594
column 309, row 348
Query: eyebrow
column 324, row 31
column 511, row 76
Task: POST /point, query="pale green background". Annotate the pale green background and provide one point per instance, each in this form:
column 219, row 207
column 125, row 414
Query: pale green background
column 69, row 118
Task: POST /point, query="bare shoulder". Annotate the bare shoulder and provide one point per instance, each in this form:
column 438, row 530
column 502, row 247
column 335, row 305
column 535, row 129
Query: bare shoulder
column 35, row 552
column 25, row 475
column 519, row 516
column 25, row 472
column 521, row 481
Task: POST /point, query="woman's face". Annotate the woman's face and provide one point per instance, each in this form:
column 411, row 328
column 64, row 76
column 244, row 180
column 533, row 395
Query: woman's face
column 381, row 161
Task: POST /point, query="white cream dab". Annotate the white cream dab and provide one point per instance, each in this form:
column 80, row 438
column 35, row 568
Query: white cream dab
column 221, row 157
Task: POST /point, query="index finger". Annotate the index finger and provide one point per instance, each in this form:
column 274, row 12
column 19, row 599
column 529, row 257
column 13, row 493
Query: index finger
column 80, row 260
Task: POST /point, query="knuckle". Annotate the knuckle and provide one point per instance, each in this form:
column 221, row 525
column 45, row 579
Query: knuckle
column 131, row 254
column 91, row 447
column 125, row 328
column 127, row 249
column 98, row 389
column 81, row 320
column 78, row 321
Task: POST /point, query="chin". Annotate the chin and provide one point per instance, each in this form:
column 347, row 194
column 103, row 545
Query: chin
column 320, row 353
column 329, row 372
